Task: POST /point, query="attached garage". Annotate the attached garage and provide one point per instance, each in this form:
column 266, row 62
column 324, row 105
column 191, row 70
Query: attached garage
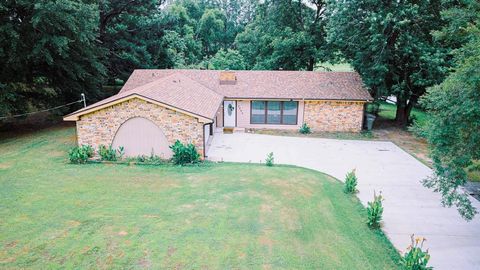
column 150, row 118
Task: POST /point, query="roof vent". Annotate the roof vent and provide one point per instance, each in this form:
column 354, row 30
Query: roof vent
column 228, row 77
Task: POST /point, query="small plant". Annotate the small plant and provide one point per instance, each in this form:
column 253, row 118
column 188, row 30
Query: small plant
column 269, row 160
column 415, row 257
column 80, row 154
column 375, row 211
column 121, row 152
column 110, row 154
column 350, row 182
column 184, row 154
column 305, row 129
column 148, row 160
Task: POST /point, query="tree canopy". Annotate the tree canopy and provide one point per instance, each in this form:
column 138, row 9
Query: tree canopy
column 286, row 35
column 390, row 44
column 453, row 128
column 48, row 53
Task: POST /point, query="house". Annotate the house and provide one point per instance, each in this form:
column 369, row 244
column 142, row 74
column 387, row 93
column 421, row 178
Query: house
column 156, row 107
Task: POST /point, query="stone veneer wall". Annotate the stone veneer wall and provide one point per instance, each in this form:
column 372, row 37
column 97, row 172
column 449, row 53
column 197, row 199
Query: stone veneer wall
column 333, row 116
column 100, row 127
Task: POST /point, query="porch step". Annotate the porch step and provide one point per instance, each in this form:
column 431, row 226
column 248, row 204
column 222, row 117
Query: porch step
column 230, row 130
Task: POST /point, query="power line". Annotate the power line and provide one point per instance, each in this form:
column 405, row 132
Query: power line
column 82, row 100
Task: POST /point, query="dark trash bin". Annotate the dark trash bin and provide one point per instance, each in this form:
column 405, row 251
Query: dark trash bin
column 370, row 118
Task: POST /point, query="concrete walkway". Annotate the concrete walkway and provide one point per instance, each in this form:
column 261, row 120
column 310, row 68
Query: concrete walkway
column 382, row 166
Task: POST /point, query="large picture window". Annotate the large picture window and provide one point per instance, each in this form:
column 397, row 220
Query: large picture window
column 274, row 112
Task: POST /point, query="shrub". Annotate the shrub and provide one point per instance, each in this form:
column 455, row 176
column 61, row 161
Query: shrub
column 110, row 154
column 350, row 182
column 416, row 258
column 184, row 154
column 80, row 154
column 269, row 160
column 305, row 129
column 375, row 211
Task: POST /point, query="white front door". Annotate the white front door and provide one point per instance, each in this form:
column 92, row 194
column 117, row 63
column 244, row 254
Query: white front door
column 229, row 113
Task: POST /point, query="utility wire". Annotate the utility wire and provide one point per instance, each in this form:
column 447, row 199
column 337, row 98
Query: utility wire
column 46, row 110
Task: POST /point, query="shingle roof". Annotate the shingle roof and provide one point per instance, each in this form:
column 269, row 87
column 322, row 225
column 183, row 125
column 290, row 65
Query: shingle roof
column 267, row 84
column 175, row 90
column 200, row 92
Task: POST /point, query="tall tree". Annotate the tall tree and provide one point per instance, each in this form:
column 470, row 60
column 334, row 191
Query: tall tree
column 211, row 31
column 390, row 44
column 48, row 53
column 130, row 33
column 229, row 59
column 285, row 34
column 453, row 126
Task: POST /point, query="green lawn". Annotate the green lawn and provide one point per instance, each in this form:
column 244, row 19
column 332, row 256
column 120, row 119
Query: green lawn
column 388, row 111
column 473, row 171
column 214, row 216
column 344, row 67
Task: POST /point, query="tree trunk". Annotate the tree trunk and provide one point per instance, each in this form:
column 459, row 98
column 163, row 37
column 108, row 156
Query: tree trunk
column 311, row 64
column 401, row 116
column 404, row 109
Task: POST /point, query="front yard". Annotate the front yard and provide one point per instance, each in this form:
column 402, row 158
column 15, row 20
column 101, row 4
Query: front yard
column 214, row 216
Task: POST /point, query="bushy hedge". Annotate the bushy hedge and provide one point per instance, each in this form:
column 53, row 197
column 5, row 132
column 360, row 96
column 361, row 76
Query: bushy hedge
column 184, row 153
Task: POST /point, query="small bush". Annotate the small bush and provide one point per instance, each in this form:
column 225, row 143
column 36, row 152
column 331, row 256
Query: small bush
column 269, row 160
column 416, row 258
column 350, row 182
column 375, row 211
column 184, row 154
column 80, row 154
column 110, row 154
column 305, row 129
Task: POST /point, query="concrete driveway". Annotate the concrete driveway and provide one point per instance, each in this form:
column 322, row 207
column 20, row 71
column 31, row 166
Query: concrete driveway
column 382, row 166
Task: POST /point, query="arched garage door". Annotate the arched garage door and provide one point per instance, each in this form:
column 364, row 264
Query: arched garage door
column 140, row 136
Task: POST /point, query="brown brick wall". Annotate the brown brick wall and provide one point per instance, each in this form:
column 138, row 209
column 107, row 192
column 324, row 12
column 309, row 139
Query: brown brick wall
column 100, row 127
column 334, row 116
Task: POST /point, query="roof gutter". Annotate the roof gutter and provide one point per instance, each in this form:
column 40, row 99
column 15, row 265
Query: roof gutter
column 272, row 98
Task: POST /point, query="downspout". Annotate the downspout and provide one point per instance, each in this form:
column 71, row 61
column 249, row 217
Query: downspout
column 303, row 115
column 204, row 139
column 204, row 143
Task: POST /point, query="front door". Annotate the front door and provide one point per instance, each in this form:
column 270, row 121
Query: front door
column 229, row 113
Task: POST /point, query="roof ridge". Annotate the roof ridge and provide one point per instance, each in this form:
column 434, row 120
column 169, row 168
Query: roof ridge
column 146, row 86
column 243, row 70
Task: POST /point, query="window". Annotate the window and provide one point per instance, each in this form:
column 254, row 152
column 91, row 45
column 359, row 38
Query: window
column 289, row 116
column 274, row 112
column 258, row 112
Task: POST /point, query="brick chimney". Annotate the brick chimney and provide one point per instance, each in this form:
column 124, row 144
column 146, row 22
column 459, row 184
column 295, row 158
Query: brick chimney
column 228, row 77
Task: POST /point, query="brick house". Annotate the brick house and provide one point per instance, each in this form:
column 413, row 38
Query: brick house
column 156, row 107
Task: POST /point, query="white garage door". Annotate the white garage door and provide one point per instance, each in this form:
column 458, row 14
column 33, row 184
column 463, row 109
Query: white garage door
column 140, row 136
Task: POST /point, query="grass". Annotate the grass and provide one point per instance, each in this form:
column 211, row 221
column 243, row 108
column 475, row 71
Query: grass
column 387, row 111
column 473, row 171
column 344, row 67
column 215, row 216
